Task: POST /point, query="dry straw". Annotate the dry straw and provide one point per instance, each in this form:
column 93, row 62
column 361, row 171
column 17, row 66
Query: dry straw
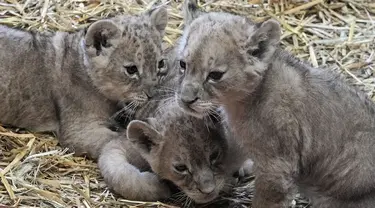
column 35, row 172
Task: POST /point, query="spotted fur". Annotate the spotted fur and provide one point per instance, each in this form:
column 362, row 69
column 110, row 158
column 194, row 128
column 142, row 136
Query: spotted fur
column 71, row 83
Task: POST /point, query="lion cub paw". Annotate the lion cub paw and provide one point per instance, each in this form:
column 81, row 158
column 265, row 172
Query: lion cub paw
column 245, row 171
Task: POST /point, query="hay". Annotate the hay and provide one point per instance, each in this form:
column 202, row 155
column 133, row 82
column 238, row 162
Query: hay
column 36, row 173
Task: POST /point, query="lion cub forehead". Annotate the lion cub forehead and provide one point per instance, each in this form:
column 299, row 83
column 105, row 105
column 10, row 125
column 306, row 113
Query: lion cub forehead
column 140, row 21
column 182, row 126
column 214, row 36
column 218, row 23
column 139, row 26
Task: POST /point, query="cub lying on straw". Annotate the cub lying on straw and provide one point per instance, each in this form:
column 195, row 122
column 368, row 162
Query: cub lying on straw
column 304, row 127
column 72, row 83
column 191, row 153
column 197, row 155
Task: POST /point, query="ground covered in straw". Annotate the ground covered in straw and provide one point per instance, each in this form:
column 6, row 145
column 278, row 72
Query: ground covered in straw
column 36, row 172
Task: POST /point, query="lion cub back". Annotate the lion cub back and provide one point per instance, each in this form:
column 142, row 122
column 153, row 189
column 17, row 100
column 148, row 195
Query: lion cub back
column 23, row 54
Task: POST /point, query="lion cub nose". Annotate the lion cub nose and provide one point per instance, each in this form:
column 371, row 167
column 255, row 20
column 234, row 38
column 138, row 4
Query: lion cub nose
column 188, row 100
column 206, row 183
column 207, row 188
column 189, row 93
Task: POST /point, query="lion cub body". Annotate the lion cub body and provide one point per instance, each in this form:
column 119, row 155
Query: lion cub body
column 304, row 127
column 72, row 83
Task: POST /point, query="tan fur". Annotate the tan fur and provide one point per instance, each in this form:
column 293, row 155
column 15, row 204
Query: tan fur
column 162, row 137
column 304, row 127
column 72, row 83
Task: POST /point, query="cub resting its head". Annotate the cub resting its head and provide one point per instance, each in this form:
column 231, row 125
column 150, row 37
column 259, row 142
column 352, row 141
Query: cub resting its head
column 193, row 153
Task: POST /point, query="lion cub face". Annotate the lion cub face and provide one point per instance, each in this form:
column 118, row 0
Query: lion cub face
column 184, row 150
column 222, row 59
column 124, row 55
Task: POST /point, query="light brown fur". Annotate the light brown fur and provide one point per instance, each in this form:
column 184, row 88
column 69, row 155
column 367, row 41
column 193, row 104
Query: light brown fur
column 72, row 83
column 162, row 138
column 304, row 127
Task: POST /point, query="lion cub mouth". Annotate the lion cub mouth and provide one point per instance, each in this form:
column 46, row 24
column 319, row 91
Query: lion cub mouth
column 205, row 198
column 197, row 109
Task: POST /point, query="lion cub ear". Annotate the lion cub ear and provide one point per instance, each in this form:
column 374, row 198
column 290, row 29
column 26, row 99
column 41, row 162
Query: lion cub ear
column 159, row 18
column 143, row 135
column 264, row 40
column 191, row 11
column 101, row 36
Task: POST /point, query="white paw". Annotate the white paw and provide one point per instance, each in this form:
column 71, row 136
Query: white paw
column 245, row 171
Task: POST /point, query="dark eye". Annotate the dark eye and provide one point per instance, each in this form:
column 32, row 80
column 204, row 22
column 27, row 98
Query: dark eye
column 214, row 157
column 183, row 64
column 161, row 64
column 131, row 69
column 180, row 168
column 215, row 75
column 255, row 53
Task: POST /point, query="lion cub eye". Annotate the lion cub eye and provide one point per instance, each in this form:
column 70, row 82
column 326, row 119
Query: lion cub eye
column 162, row 69
column 214, row 157
column 161, row 64
column 256, row 53
column 131, row 70
column 181, row 168
column 215, row 75
column 183, row 66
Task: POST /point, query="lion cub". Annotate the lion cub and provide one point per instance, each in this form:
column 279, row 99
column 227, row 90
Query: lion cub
column 72, row 83
column 197, row 155
column 194, row 154
column 304, row 127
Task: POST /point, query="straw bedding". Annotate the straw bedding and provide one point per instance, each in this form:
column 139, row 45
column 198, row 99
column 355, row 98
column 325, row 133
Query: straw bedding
column 36, row 172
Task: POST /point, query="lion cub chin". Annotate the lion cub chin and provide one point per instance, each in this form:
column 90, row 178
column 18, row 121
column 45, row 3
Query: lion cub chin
column 304, row 127
column 72, row 83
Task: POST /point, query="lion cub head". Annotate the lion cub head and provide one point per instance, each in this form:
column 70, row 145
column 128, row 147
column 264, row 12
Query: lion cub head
column 123, row 55
column 222, row 58
column 184, row 150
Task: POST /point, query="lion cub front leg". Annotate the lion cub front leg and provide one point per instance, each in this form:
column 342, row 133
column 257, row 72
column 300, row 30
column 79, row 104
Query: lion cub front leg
column 84, row 134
